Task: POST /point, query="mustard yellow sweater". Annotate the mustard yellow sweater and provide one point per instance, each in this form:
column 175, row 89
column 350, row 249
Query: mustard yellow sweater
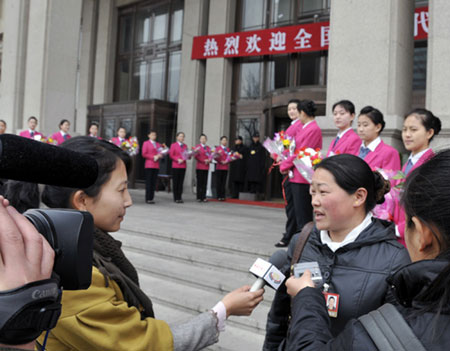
column 99, row 319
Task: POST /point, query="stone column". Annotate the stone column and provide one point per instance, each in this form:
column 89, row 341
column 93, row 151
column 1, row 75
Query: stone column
column 105, row 54
column 51, row 67
column 438, row 66
column 15, row 24
column 216, row 113
column 370, row 58
column 192, row 78
column 86, row 61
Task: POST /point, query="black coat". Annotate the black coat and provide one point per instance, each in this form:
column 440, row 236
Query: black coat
column 310, row 322
column 356, row 271
column 238, row 168
column 256, row 163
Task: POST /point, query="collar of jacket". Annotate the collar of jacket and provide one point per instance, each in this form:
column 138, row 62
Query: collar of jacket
column 375, row 233
column 412, row 280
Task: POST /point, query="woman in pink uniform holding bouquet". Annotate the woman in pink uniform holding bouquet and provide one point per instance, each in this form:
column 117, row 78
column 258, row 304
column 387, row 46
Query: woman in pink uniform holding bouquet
column 176, row 153
column 419, row 128
column 346, row 141
column 373, row 150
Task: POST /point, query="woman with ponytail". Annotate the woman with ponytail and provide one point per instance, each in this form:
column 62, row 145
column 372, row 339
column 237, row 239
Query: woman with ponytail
column 421, row 289
column 355, row 251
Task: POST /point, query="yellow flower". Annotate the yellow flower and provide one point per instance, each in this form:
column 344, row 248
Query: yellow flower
column 253, row 152
column 286, row 142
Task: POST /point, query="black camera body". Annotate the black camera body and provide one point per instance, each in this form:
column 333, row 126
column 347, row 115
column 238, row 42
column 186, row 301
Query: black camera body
column 69, row 233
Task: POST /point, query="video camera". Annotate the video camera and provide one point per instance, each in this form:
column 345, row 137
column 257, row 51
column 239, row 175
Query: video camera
column 27, row 311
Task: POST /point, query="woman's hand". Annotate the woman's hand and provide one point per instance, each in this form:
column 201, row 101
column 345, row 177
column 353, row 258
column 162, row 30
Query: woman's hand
column 284, row 172
column 241, row 302
column 294, row 285
column 25, row 256
column 180, row 161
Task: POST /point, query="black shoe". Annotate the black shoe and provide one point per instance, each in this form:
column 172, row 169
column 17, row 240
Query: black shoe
column 180, row 201
column 198, row 200
column 150, row 202
column 281, row 243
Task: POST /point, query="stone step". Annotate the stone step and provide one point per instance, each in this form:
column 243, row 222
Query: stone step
column 232, row 339
column 195, row 255
column 217, row 279
column 197, row 300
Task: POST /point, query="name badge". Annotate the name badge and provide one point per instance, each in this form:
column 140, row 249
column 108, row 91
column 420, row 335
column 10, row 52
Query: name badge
column 332, row 301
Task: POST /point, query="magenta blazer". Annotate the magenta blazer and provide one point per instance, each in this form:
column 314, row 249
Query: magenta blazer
column 399, row 212
column 201, row 156
column 223, row 153
column 294, row 128
column 26, row 134
column 116, row 141
column 310, row 136
column 385, row 157
column 175, row 152
column 59, row 138
column 348, row 144
column 149, row 152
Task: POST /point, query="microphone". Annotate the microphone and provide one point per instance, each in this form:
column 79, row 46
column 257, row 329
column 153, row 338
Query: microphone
column 36, row 162
column 268, row 272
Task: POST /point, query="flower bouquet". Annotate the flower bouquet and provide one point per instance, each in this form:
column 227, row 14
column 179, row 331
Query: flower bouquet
column 163, row 150
column 305, row 161
column 386, row 209
column 281, row 145
column 213, row 154
column 187, row 153
column 45, row 140
column 233, row 156
column 130, row 145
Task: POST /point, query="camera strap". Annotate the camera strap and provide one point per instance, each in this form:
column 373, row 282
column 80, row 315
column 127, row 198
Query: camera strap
column 29, row 310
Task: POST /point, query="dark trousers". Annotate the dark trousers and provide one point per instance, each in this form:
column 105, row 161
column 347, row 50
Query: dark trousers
column 202, row 180
column 236, row 188
column 291, row 222
column 221, row 180
column 151, row 177
column 178, row 179
column 303, row 210
column 255, row 187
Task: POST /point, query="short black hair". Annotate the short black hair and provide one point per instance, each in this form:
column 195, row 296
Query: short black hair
column 63, row 121
column 347, row 105
column 32, row 117
column 428, row 119
column 375, row 116
column 308, row 107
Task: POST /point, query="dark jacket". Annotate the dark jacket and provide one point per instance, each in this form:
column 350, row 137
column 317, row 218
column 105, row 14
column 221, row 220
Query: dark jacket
column 356, row 271
column 256, row 163
column 310, row 322
column 238, row 168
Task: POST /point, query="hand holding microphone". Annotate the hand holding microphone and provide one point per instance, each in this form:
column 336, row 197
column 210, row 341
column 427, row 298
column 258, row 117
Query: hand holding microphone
column 242, row 301
column 268, row 272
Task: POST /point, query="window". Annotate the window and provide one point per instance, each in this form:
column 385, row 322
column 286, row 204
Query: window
column 253, row 13
column 148, row 67
column 308, row 7
column 174, row 75
column 250, row 80
column 281, row 10
column 309, row 71
column 246, row 128
column 420, row 66
column 278, row 72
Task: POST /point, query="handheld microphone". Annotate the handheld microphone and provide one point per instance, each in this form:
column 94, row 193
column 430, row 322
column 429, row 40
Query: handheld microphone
column 268, row 272
column 36, row 162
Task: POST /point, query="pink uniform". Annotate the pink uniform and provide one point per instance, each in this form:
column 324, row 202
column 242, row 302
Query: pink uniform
column 175, row 153
column 26, row 134
column 201, row 156
column 149, row 151
column 384, row 156
column 349, row 143
column 223, row 154
column 399, row 212
column 117, row 141
column 309, row 136
column 59, row 137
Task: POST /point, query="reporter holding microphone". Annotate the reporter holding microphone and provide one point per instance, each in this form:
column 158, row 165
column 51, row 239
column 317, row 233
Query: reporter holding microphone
column 114, row 313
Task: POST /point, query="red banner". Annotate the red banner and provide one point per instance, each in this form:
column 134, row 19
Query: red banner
column 281, row 40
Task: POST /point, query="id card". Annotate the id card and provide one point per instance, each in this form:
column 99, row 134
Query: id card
column 332, row 301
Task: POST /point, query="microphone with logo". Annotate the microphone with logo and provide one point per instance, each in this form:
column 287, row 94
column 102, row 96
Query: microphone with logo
column 269, row 272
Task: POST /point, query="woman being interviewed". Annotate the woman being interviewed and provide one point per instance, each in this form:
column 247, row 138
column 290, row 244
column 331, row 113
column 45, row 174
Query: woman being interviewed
column 355, row 251
column 421, row 288
column 114, row 313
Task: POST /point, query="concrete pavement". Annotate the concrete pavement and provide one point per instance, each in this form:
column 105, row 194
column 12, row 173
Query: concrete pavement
column 190, row 255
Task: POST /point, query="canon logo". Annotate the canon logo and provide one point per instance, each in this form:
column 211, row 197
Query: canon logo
column 39, row 294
